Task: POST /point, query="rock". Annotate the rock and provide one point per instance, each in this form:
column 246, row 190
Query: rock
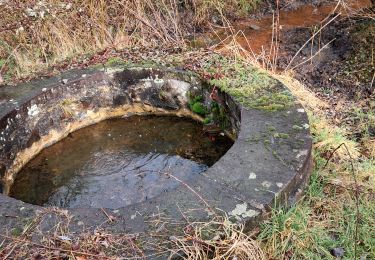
column 254, row 27
column 337, row 252
column 177, row 255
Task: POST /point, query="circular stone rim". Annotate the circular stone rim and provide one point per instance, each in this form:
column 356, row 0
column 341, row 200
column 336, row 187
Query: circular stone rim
column 238, row 184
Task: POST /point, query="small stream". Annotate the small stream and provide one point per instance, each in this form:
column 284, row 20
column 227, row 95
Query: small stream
column 257, row 34
column 119, row 162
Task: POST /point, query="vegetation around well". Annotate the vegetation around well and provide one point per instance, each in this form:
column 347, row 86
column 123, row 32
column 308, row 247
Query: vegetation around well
column 336, row 215
column 35, row 35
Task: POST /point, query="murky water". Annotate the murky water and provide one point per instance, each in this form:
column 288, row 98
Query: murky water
column 256, row 34
column 118, row 162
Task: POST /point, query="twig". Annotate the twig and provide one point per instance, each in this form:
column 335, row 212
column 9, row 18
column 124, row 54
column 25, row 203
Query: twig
column 11, row 216
column 313, row 56
column 10, row 252
column 356, row 193
column 191, row 189
column 53, row 248
column 145, row 22
column 276, row 27
column 183, row 215
column 312, row 37
column 110, row 218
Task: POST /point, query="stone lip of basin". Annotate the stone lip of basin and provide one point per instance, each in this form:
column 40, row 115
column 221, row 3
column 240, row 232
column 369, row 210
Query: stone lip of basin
column 269, row 162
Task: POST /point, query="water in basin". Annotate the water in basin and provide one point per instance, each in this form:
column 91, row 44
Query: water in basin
column 119, row 162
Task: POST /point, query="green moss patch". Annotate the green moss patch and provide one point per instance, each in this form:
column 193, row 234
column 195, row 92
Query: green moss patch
column 247, row 84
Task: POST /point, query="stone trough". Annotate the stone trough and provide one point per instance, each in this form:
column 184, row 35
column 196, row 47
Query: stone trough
column 269, row 162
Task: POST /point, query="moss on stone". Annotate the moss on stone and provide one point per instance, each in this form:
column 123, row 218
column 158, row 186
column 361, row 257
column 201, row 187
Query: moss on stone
column 297, row 127
column 207, row 120
column 248, row 85
column 199, row 108
column 16, row 232
column 281, row 135
column 116, row 61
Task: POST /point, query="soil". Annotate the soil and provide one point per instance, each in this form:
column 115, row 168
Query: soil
column 344, row 67
column 269, row 6
column 343, row 72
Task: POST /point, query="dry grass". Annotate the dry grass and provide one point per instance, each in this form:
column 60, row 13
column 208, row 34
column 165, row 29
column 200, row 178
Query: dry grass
column 37, row 34
column 217, row 239
column 47, row 236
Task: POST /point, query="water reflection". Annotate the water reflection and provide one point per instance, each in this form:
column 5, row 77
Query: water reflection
column 118, row 162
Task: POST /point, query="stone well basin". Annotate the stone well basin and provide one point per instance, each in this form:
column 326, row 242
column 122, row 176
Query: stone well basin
column 269, row 162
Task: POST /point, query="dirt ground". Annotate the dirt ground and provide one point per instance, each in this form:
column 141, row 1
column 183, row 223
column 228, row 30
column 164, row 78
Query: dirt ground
column 268, row 6
column 346, row 66
column 342, row 73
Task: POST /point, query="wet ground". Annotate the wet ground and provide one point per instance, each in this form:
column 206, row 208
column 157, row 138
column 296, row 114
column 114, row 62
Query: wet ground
column 118, row 162
column 342, row 74
column 345, row 66
column 255, row 33
column 337, row 64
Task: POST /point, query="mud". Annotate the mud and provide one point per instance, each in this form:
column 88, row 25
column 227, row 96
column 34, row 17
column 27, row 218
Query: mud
column 345, row 67
column 255, row 33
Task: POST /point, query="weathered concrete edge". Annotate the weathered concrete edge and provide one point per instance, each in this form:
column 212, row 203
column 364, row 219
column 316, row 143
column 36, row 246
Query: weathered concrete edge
column 291, row 189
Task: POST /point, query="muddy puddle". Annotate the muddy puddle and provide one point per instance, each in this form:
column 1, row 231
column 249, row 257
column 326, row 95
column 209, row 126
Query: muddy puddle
column 119, row 162
column 255, row 35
